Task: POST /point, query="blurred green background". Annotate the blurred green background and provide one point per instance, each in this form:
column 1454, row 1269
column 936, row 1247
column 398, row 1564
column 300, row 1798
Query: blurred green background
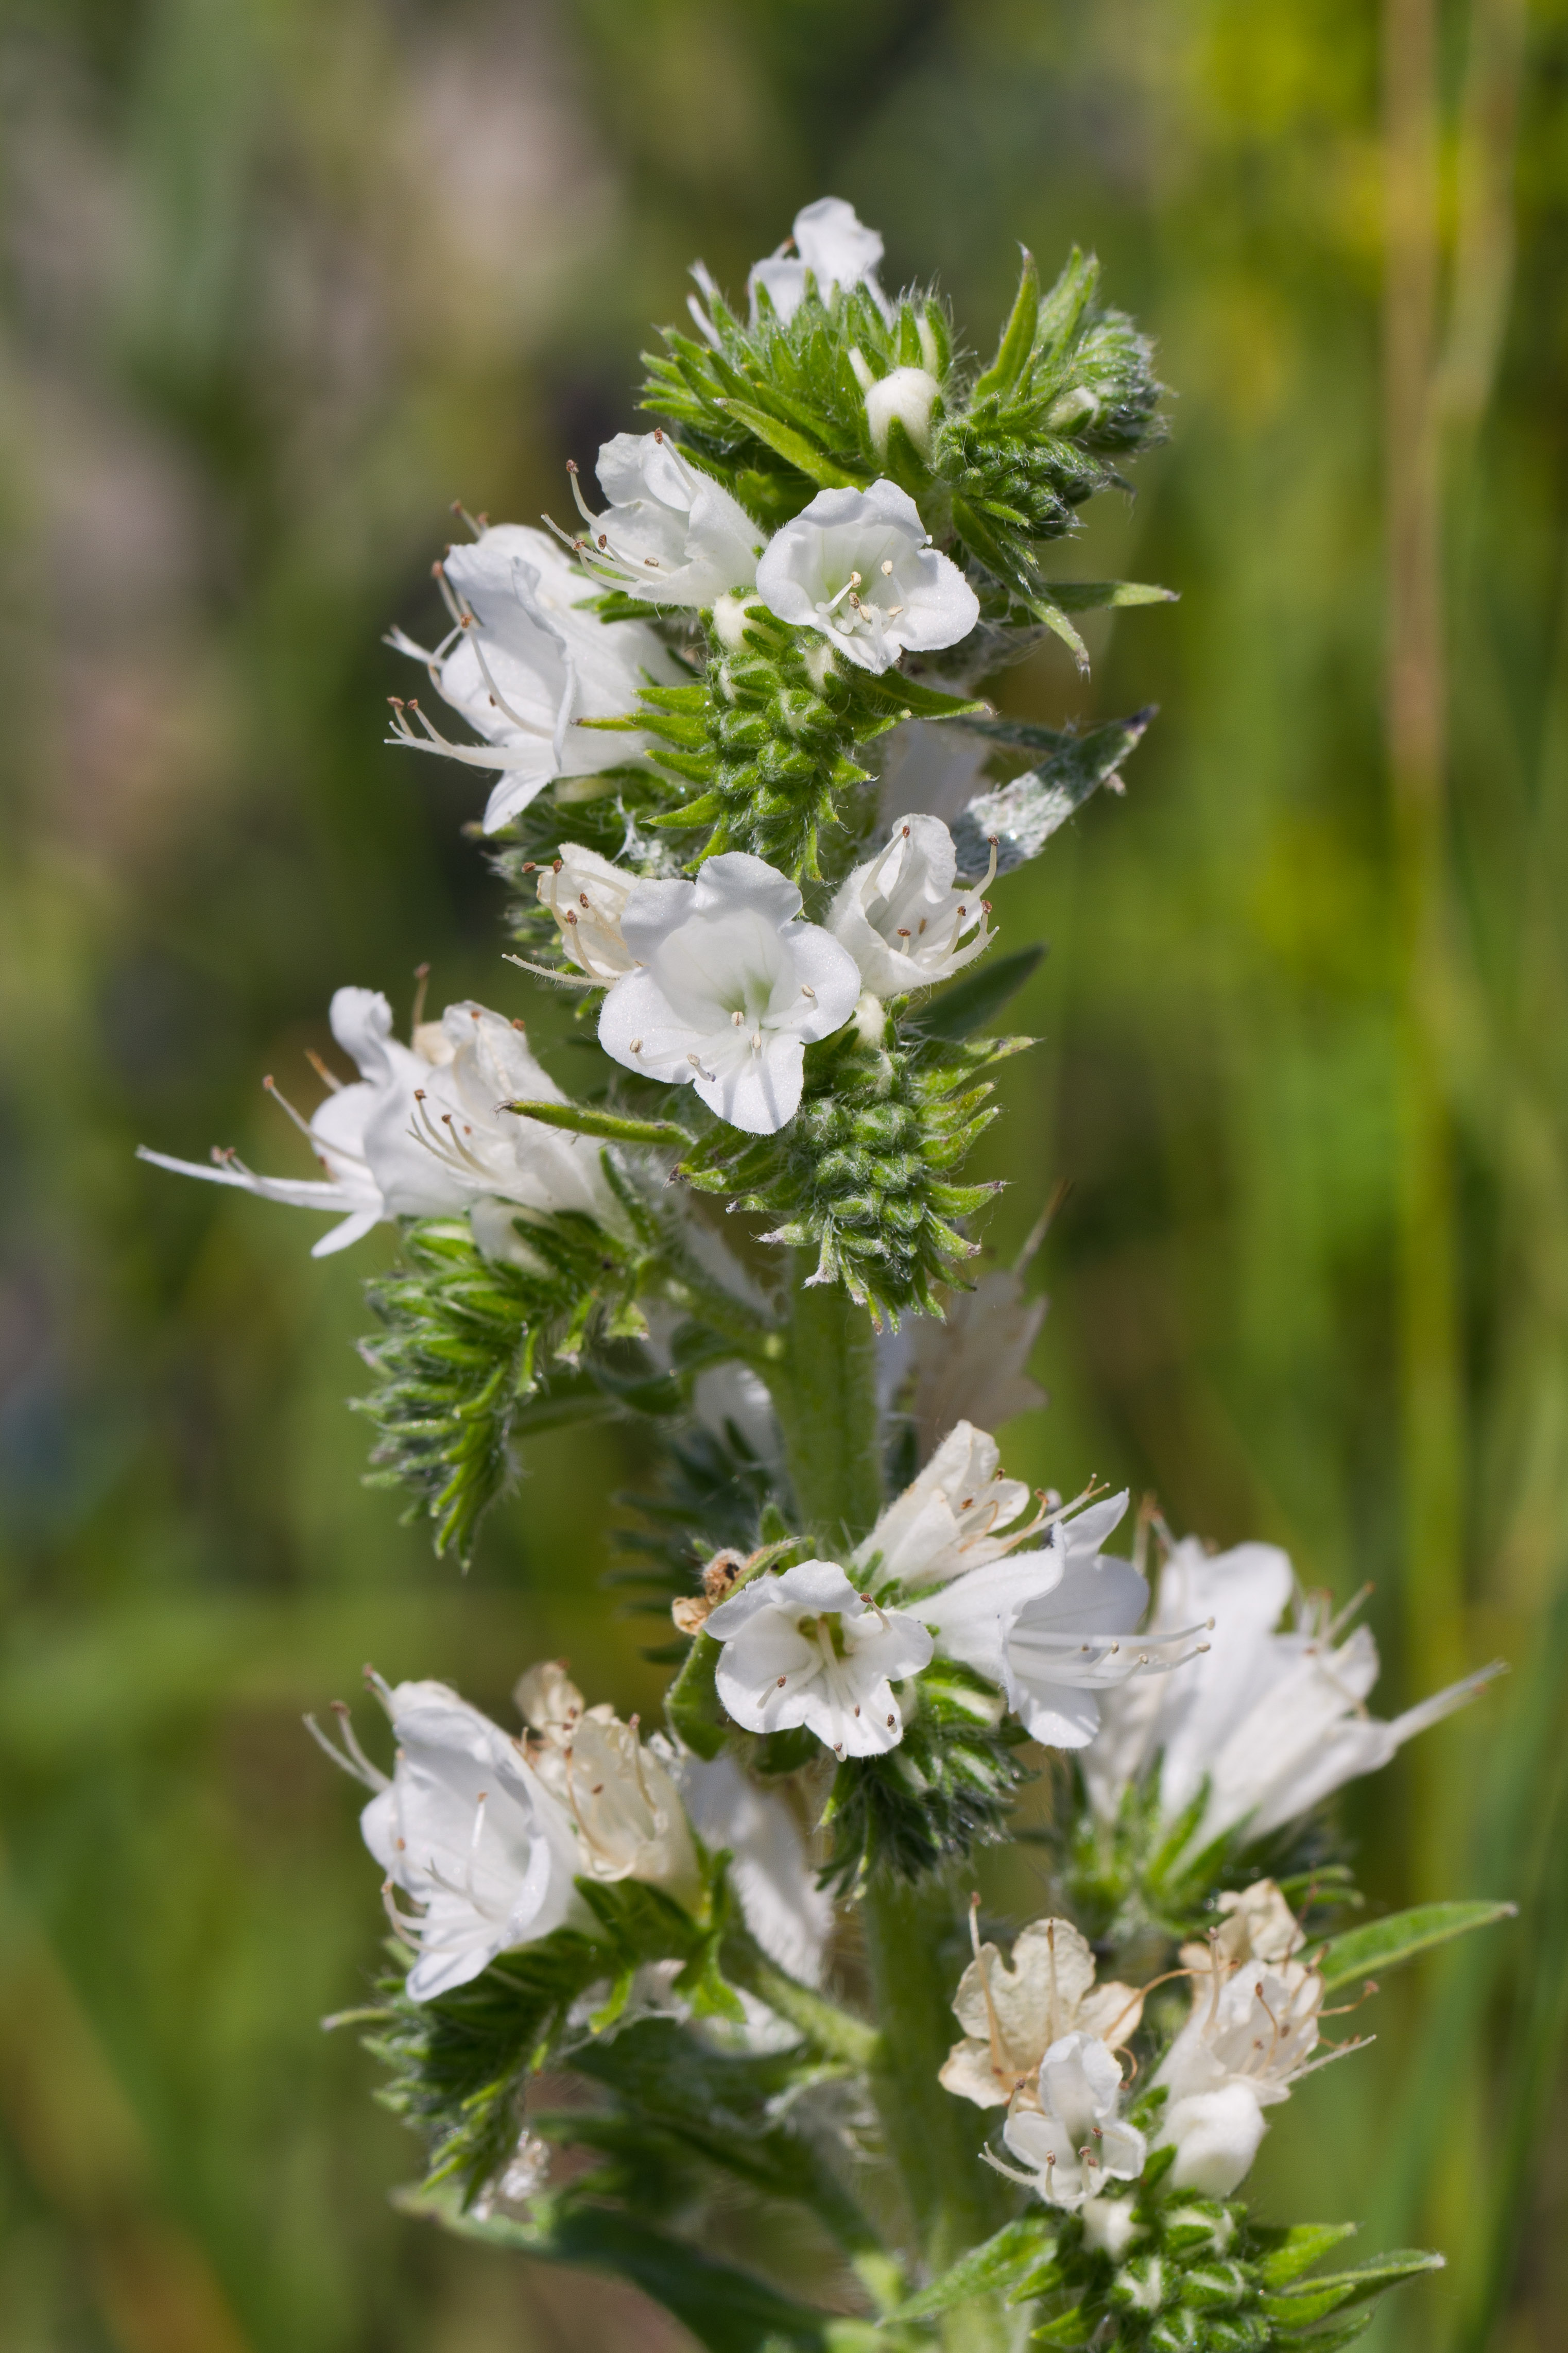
column 279, row 281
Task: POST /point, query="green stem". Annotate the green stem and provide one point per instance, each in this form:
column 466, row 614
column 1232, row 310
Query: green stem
column 823, row 1391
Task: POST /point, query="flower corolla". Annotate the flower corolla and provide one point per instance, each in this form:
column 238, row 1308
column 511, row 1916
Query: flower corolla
column 900, row 917
column 419, row 1133
column 947, row 1519
column 1273, row 1718
column 587, row 896
column 805, row 1648
column 1251, row 2033
column 731, row 988
column 833, row 244
column 1012, row 2013
column 466, row 1830
column 617, row 1793
column 859, row 565
column 770, row 1871
column 670, row 535
column 1054, row 1626
column 525, row 664
column 1065, row 2126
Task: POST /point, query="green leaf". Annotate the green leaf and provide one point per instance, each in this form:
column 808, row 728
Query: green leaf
column 1018, row 337
column 1074, row 2327
column 1094, row 595
column 692, row 1702
column 908, row 699
column 614, row 1126
column 1054, row 618
column 1296, row 2248
column 999, row 2263
column 1383, row 1944
column 1297, row 2307
column 980, row 996
column 800, row 452
column 727, row 2310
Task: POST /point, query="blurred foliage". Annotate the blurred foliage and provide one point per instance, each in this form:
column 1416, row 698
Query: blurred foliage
column 279, row 282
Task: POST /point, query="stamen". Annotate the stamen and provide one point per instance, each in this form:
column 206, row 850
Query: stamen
column 281, row 1099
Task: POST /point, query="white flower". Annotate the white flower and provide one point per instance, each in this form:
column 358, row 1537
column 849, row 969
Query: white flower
column 1011, row 2014
column 419, row 1133
column 587, row 897
column 671, row 534
column 909, row 394
column 1273, row 1720
column 1054, row 1627
column 900, row 917
column 465, row 1828
column 770, row 1871
column 1069, row 2133
column 1250, row 2034
column 524, row 663
column 830, row 242
column 859, row 566
column 629, row 1819
column 805, row 1648
column 1258, row 1925
column 731, row 988
column 945, row 1522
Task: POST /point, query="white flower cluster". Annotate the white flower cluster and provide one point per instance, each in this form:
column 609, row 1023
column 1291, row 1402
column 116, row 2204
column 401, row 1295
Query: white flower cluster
column 1049, row 1627
column 424, row 1133
column 485, row 1834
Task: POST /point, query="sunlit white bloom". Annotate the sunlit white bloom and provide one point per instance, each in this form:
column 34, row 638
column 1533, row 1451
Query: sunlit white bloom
column 859, row 566
column 618, row 1793
column 421, row 1133
column 587, row 897
column 805, row 1648
column 1251, row 2033
column 1013, row 2012
column 732, row 987
column 1273, row 1716
column 463, row 1827
column 906, row 394
column 1068, row 2133
column 1257, row 1925
column 770, row 1869
column 1054, row 1626
column 670, row 533
column 830, row 242
column 947, row 1518
column 901, row 919
column 525, row 663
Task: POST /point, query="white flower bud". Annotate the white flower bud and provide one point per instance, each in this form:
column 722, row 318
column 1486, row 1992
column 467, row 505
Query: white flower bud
column 910, row 394
column 1216, row 2136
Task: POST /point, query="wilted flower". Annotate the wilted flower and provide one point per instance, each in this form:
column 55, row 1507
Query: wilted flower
column 525, row 662
column 805, row 1647
column 901, row 919
column 1065, row 2126
column 859, row 566
column 629, row 1819
column 732, row 989
column 1257, row 1925
column 1274, row 1721
column 587, row 897
column 671, row 534
column 1013, row 2012
column 1251, row 2033
column 830, row 242
column 970, row 1367
column 946, row 1520
column 1054, row 1626
column 781, row 1903
column 466, row 1829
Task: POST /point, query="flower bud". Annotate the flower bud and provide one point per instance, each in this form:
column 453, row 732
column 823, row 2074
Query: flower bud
column 910, row 394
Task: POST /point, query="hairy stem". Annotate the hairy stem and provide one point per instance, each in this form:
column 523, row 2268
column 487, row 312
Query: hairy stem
column 825, row 1393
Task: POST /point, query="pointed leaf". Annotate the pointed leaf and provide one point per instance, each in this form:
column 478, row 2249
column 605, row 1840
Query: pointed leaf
column 908, row 699
column 1022, row 815
column 1056, row 620
column 1295, row 2307
column 1295, row 2249
column 1002, row 2259
column 980, row 996
column 1383, row 1944
column 811, row 461
column 1094, row 595
column 581, row 1118
column 1018, row 337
